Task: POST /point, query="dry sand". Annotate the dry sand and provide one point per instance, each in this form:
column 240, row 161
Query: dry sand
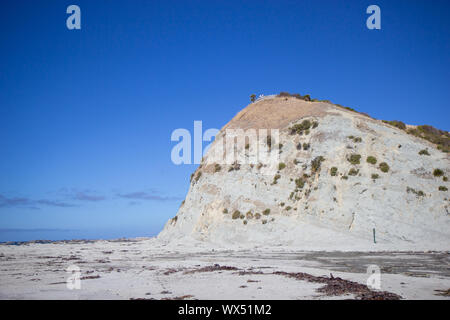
column 151, row 269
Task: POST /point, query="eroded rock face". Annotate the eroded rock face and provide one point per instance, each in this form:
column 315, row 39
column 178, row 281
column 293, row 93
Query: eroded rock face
column 325, row 190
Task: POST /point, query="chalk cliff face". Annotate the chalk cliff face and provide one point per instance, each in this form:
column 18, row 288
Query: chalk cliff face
column 340, row 175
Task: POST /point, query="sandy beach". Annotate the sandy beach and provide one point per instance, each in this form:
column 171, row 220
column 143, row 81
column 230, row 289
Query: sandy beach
column 151, row 269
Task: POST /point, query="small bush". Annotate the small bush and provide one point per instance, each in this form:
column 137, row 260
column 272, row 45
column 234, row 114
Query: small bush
column 396, row 123
column 225, row 211
column 275, row 179
column 300, row 127
column 241, row 216
column 443, row 188
column 281, row 166
column 299, row 146
column 197, row 177
column 264, row 221
column 384, row 167
column 266, row 212
column 315, row 124
column 236, row 214
column 354, row 158
column 306, row 146
column 288, row 208
column 439, row 137
column 424, row 152
column 333, row 171
column 316, row 163
column 253, row 97
column 357, row 139
column 438, row 172
column 249, row 215
column 418, row 193
column 371, row 160
column 300, row 183
column 353, row 172
column 344, row 177
column 445, row 179
column 257, row 216
column 245, row 221
column 375, row 176
column 217, row 168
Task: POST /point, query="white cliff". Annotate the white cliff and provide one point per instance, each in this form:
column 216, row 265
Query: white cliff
column 311, row 206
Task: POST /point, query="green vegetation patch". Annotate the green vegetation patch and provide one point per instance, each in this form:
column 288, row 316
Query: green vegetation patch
column 300, row 183
column 396, row 123
column 316, row 163
column 371, row 160
column 333, row 171
column 418, row 193
column 440, row 138
column 354, row 158
column 384, row 167
column 424, row 152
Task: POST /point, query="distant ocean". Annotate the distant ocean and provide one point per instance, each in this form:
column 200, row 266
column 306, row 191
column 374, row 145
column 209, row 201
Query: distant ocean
column 19, row 236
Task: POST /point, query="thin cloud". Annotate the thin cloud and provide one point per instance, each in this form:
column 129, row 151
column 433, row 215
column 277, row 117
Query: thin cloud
column 81, row 196
column 4, row 230
column 6, row 202
column 141, row 195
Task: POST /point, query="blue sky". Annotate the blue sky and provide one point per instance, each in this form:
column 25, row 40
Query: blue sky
column 86, row 115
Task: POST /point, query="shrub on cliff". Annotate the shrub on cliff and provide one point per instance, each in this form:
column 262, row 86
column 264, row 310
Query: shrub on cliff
column 424, row 152
column 371, row 160
column 333, row 171
column 316, row 163
column 384, row 167
column 354, row 158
